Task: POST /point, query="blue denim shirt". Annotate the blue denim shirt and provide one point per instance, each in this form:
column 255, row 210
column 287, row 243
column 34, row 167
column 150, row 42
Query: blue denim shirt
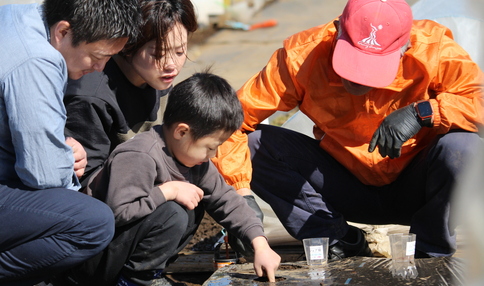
column 33, row 78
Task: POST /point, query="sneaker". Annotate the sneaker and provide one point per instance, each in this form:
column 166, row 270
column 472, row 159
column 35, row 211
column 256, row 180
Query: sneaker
column 165, row 281
column 343, row 249
column 161, row 281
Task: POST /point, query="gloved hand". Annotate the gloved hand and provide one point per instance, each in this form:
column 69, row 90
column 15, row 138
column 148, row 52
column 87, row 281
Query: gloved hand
column 396, row 129
column 235, row 243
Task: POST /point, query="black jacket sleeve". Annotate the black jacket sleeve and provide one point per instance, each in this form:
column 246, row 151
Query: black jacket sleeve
column 91, row 117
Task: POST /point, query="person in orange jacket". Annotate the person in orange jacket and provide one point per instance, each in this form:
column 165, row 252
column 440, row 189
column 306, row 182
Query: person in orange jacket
column 396, row 105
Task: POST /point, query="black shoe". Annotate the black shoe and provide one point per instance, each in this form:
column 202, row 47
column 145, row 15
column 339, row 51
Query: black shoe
column 358, row 246
column 421, row 254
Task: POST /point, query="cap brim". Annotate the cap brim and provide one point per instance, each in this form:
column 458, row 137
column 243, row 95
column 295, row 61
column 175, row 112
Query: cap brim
column 374, row 70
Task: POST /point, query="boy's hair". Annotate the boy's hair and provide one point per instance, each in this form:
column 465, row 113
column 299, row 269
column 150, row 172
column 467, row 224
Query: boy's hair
column 207, row 103
column 95, row 20
column 158, row 19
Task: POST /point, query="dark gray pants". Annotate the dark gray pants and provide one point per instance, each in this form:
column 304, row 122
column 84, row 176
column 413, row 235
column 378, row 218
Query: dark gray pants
column 43, row 232
column 141, row 250
column 313, row 195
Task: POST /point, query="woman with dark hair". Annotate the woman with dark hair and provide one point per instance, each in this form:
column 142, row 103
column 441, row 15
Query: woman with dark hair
column 108, row 107
column 129, row 96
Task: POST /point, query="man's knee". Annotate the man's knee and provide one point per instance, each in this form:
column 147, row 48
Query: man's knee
column 253, row 140
column 458, row 146
column 460, row 140
column 98, row 219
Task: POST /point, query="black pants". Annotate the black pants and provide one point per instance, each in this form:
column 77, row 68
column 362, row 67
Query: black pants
column 313, row 195
column 141, row 250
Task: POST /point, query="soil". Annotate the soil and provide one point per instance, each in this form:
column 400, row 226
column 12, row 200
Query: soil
column 208, row 233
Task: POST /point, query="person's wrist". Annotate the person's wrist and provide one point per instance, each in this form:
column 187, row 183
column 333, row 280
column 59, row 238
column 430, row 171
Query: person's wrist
column 260, row 242
column 244, row 191
column 424, row 113
column 167, row 192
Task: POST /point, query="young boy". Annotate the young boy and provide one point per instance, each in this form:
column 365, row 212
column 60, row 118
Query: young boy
column 160, row 182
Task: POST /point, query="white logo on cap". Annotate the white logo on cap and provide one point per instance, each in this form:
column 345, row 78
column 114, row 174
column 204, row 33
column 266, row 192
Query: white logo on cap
column 371, row 42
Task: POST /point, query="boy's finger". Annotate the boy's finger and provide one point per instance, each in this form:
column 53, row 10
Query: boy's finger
column 258, row 270
column 271, row 276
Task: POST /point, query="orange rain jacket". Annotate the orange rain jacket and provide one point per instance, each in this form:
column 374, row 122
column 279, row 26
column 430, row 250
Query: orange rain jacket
column 434, row 68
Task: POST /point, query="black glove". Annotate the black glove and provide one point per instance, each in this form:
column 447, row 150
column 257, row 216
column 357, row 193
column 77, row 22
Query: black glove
column 254, row 206
column 396, row 129
column 235, row 243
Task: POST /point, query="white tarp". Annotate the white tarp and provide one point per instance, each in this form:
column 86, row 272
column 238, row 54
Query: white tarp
column 464, row 17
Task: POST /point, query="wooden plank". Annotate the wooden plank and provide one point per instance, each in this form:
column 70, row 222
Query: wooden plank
column 202, row 261
column 192, row 262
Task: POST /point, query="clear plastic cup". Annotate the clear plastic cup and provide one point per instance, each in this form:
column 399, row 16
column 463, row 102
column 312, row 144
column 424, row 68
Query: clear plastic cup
column 403, row 252
column 316, row 250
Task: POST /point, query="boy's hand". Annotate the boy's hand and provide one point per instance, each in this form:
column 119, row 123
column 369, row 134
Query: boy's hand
column 80, row 156
column 186, row 194
column 266, row 260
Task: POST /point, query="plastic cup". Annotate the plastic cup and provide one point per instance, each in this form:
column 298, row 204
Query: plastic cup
column 403, row 251
column 316, row 250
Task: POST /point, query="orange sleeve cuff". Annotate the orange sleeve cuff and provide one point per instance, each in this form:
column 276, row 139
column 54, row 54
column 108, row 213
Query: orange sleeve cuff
column 435, row 109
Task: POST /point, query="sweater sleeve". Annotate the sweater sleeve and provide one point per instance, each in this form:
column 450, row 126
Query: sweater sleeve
column 228, row 208
column 131, row 193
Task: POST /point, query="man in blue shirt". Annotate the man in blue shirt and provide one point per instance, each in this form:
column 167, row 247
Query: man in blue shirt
column 46, row 225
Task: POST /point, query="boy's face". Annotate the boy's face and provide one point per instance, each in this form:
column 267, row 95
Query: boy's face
column 191, row 153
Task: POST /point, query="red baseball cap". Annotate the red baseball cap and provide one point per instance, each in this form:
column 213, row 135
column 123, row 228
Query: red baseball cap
column 372, row 34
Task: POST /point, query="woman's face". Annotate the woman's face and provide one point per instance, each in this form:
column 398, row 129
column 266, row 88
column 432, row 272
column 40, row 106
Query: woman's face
column 160, row 74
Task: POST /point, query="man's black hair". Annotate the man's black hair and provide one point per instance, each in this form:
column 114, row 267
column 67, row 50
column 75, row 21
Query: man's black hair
column 207, row 103
column 95, row 20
